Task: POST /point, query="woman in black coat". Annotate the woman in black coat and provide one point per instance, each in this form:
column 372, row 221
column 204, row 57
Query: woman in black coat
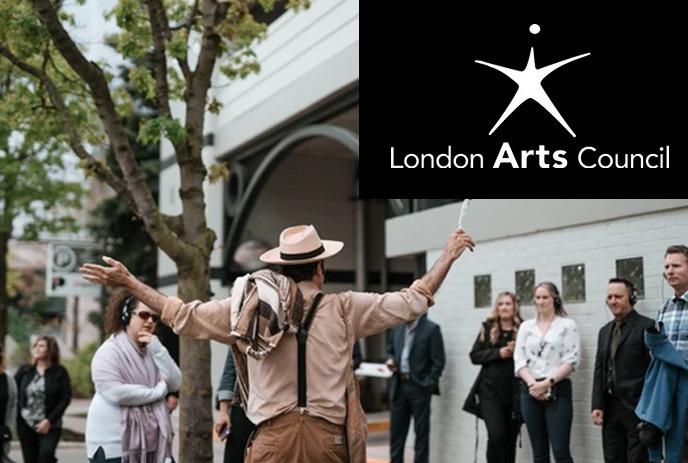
column 496, row 386
column 44, row 392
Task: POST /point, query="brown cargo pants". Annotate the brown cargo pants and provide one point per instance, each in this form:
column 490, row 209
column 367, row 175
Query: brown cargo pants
column 295, row 438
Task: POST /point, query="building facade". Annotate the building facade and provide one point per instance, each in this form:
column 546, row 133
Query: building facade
column 578, row 245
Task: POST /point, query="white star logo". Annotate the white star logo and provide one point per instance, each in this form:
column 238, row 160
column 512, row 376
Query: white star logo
column 530, row 85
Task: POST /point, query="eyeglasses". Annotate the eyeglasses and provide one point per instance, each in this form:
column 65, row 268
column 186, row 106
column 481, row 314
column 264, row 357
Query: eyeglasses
column 145, row 316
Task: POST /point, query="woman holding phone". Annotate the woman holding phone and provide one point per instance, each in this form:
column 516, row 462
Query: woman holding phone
column 496, row 386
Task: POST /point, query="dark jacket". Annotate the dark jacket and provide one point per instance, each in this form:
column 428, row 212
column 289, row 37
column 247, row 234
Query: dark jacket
column 426, row 358
column 496, row 378
column 631, row 361
column 58, row 390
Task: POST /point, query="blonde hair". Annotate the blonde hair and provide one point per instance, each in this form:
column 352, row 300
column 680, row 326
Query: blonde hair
column 493, row 318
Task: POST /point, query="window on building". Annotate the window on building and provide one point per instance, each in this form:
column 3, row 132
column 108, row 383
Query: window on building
column 482, row 291
column 632, row 270
column 573, row 283
column 525, row 282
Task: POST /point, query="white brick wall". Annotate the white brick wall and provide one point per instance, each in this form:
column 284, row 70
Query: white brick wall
column 598, row 246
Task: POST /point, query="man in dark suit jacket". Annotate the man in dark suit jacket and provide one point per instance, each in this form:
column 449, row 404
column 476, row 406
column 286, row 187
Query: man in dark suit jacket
column 620, row 365
column 416, row 356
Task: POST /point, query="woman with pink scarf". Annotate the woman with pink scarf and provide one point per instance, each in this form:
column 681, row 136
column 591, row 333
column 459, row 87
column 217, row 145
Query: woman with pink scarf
column 128, row 420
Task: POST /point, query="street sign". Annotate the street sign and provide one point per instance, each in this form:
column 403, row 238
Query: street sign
column 62, row 273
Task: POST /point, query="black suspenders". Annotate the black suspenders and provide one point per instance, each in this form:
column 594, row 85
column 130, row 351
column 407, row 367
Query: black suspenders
column 301, row 338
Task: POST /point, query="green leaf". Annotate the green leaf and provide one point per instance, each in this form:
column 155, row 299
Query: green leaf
column 215, row 106
column 151, row 130
column 217, row 172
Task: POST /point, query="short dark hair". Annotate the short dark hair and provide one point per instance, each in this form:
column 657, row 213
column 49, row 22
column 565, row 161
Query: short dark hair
column 627, row 283
column 677, row 249
column 301, row 272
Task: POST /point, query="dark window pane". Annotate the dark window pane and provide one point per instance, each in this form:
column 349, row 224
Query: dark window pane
column 482, row 291
column 573, row 283
column 632, row 270
column 525, row 282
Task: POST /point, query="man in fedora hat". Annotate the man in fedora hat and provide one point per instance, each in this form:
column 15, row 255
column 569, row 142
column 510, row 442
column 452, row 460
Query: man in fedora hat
column 311, row 422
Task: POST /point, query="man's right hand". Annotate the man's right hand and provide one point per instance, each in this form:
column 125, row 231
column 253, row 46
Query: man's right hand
column 391, row 365
column 222, row 421
column 597, row 417
column 115, row 275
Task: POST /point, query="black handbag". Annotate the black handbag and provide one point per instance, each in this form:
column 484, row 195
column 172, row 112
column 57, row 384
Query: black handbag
column 472, row 402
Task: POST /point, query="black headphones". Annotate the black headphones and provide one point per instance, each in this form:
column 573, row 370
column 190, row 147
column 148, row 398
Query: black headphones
column 633, row 298
column 126, row 310
column 632, row 293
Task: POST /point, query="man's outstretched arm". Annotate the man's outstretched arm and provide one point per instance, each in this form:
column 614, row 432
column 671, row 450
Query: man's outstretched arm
column 373, row 313
column 195, row 319
column 118, row 275
column 456, row 244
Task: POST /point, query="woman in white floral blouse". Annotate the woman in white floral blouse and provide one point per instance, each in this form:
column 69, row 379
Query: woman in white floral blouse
column 546, row 353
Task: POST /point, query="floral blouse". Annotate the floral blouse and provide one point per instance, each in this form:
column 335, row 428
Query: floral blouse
column 543, row 355
column 34, row 410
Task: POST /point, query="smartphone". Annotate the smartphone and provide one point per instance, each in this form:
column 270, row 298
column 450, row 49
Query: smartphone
column 226, row 432
column 550, row 395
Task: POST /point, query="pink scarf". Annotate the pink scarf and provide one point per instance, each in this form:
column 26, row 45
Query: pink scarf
column 147, row 429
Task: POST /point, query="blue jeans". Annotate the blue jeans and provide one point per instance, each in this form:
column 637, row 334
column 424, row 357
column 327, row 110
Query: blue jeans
column 549, row 423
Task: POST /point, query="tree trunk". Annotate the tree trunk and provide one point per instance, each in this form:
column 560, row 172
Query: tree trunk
column 195, row 411
column 4, row 302
column 75, row 325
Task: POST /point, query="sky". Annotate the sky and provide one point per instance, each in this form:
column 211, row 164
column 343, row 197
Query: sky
column 91, row 28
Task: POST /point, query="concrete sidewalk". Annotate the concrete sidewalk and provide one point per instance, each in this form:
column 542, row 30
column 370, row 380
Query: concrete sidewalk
column 75, row 452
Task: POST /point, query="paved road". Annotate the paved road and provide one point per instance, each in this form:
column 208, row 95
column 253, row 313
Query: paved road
column 75, row 452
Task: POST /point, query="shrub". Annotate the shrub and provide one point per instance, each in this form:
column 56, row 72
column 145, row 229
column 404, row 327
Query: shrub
column 79, row 368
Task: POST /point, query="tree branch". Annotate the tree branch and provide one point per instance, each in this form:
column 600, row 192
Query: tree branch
column 188, row 25
column 191, row 167
column 197, row 90
column 175, row 223
column 73, row 139
column 133, row 174
column 213, row 14
column 158, row 22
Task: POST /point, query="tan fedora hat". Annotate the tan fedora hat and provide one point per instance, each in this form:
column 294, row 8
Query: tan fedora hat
column 301, row 244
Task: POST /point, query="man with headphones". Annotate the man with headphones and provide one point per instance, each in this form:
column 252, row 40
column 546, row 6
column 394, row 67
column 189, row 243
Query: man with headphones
column 620, row 365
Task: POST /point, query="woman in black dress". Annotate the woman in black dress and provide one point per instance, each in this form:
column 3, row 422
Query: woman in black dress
column 496, row 386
